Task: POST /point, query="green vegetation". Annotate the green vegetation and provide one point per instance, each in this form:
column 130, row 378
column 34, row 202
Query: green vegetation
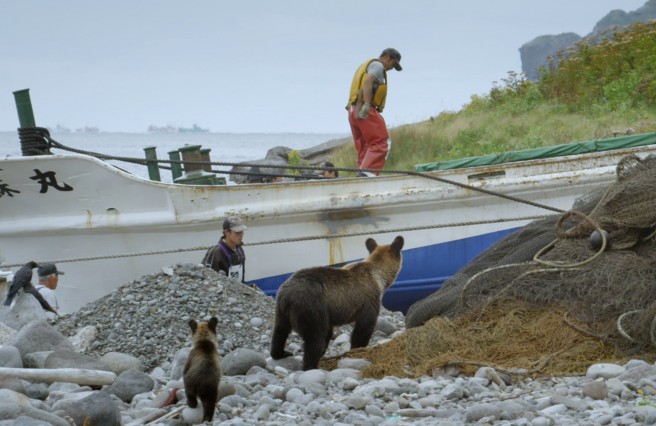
column 295, row 159
column 596, row 92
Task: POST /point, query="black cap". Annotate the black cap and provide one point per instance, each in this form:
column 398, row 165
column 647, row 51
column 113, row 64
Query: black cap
column 393, row 53
column 46, row 269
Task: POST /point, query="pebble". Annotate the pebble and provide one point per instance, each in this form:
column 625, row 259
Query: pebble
column 141, row 333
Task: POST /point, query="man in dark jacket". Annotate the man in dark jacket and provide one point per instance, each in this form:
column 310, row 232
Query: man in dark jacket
column 228, row 255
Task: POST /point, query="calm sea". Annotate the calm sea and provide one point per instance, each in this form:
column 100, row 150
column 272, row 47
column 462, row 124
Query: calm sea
column 227, row 147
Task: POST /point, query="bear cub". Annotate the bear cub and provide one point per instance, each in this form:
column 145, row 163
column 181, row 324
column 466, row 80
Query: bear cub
column 202, row 372
column 314, row 300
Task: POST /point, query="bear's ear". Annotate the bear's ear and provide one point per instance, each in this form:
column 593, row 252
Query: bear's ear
column 212, row 324
column 397, row 245
column 193, row 324
column 371, row 245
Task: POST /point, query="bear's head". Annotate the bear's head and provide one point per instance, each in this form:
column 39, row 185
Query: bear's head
column 203, row 330
column 387, row 258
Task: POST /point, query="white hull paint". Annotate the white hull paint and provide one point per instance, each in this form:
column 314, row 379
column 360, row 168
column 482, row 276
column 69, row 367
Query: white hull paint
column 109, row 212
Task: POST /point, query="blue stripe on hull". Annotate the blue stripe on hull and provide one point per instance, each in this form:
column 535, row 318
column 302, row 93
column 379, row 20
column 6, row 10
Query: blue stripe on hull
column 424, row 270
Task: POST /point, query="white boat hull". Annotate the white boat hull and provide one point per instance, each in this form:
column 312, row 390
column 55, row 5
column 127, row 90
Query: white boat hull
column 112, row 227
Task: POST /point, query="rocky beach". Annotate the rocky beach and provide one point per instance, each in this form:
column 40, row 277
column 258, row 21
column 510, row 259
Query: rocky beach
column 119, row 361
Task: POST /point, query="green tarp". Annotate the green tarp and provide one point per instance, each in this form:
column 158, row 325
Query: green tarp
column 537, row 153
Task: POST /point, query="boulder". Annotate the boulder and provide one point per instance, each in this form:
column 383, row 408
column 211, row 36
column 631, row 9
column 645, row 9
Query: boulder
column 12, row 383
column 84, row 338
column 238, row 362
column 97, row 409
column 72, row 359
column 119, row 362
column 178, row 364
column 24, row 310
column 14, row 405
column 36, row 359
column 6, row 332
column 39, row 336
column 130, row 383
column 10, row 357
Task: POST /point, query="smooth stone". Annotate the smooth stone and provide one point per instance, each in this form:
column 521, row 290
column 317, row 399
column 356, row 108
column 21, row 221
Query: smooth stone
column 130, row 383
column 239, row 361
column 119, row 362
column 10, row 357
column 479, row 411
column 353, row 363
column 71, row 359
column 384, row 326
column 25, row 310
column 36, row 359
column 84, row 338
column 179, row 361
column 40, row 336
column 6, row 332
column 604, row 371
column 596, row 389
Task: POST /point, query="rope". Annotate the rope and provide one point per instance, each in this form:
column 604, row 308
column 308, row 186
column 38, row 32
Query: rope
column 620, row 328
column 580, row 330
column 56, row 144
column 34, row 141
column 563, row 264
column 286, row 240
column 463, row 293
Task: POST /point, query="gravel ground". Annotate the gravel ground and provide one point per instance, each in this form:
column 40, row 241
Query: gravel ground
column 148, row 318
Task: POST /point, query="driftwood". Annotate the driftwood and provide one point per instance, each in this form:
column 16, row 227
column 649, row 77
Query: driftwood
column 69, row 375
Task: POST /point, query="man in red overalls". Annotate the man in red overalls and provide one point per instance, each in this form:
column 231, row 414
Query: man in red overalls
column 366, row 102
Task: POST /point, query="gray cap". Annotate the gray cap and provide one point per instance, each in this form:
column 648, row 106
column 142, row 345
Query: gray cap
column 393, row 53
column 46, row 269
column 234, row 224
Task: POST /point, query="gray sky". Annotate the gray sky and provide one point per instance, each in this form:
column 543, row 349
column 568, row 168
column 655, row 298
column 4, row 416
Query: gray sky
column 262, row 66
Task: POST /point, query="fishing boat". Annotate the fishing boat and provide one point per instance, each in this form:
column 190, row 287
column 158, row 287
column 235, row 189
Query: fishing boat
column 105, row 227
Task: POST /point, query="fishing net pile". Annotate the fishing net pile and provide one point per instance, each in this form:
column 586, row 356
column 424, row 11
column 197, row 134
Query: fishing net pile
column 554, row 297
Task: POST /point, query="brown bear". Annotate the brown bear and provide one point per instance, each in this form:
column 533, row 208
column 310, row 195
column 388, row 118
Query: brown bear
column 202, row 372
column 314, row 300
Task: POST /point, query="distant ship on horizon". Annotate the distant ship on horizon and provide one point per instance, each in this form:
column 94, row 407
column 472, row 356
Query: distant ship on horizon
column 195, row 128
column 60, row 128
column 88, row 129
column 63, row 129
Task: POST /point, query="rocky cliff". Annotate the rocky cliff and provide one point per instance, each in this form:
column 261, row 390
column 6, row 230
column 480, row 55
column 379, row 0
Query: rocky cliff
column 535, row 53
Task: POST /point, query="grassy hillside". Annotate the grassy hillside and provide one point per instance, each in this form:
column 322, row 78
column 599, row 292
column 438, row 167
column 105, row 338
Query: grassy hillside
column 596, row 92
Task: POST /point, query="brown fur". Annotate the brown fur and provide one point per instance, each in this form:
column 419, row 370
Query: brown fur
column 202, row 372
column 314, row 300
